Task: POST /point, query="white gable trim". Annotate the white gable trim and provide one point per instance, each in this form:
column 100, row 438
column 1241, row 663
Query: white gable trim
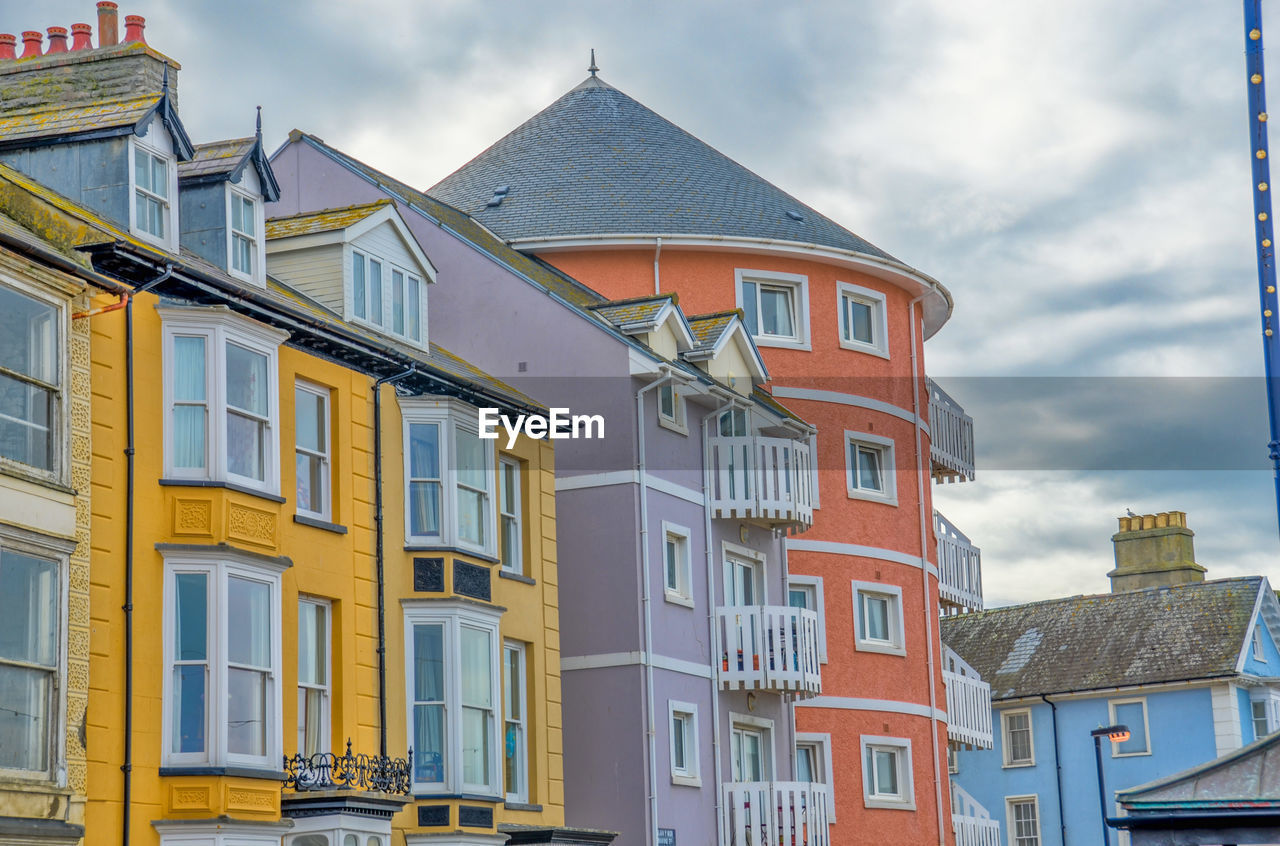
column 389, row 214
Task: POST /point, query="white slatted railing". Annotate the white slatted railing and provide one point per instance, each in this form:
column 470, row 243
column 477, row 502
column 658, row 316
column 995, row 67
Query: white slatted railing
column 959, row 567
column 950, row 436
column 769, row 647
column 971, row 822
column 968, row 702
column 768, row 479
column 775, row 813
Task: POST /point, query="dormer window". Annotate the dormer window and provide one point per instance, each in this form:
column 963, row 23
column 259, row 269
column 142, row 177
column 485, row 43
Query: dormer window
column 152, row 172
column 386, row 296
column 245, row 241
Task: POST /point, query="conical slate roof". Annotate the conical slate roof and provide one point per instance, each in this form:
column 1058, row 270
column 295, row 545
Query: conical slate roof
column 597, row 162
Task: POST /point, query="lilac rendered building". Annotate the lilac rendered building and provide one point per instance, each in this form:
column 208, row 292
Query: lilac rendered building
column 683, row 642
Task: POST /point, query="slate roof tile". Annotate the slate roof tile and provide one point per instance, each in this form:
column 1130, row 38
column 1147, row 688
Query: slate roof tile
column 326, row 220
column 41, row 123
column 216, row 157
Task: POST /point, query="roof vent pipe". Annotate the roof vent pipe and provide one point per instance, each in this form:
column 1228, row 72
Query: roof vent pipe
column 8, row 42
column 57, row 40
column 31, row 41
column 81, row 37
column 133, row 26
column 108, row 24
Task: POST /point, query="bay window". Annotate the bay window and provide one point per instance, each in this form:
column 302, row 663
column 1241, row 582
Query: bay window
column 220, row 390
column 222, row 653
column 452, row 673
column 30, row 382
column 449, row 477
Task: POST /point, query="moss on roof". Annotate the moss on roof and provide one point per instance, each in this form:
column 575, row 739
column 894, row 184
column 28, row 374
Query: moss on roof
column 44, row 122
column 326, row 220
column 708, row 328
column 216, row 157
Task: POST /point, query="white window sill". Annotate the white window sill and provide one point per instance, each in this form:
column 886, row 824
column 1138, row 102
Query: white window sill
column 889, row 804
column 1146, row 754
column 781, row 343
column 869, row 349
column 678, row 598
column 1019, row 765
column 686, row 781
column 667, row 423
column 882, row 648
column 873, row 496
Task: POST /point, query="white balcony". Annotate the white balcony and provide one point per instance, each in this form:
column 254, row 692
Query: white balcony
column 951, row 436
column 769, row 647
column 968, row 702
column 766, row 480
column 971, row 822
column 775, row 813
column 959, row 568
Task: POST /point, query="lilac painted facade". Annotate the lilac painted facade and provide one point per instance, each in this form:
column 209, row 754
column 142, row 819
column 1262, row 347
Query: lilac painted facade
column 636, row 652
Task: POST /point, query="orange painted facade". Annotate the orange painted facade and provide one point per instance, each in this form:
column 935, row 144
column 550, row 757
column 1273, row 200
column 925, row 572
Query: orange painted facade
column 905, row 688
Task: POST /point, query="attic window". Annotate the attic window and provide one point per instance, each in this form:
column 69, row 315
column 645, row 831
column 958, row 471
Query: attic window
column 499, row 194
column 151, row 177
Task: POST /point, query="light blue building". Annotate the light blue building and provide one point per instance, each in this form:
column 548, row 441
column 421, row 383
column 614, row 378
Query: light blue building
column 1190, row 666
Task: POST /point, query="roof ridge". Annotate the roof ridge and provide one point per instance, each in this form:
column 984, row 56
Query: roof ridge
column 674, row 297
column 354, row 206
column 736, row 312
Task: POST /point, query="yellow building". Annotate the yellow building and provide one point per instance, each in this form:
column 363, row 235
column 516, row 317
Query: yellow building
column 305, row 562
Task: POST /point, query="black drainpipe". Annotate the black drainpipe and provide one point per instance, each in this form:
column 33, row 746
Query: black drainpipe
column 1057, row 766
column 127, row 766
column 377, row 528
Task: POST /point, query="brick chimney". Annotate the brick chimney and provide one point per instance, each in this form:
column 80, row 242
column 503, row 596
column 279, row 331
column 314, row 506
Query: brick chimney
column 108, row 23
column 1154, row 550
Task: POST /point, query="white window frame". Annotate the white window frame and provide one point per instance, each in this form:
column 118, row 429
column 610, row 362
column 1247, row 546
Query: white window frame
column 59, row 424
column 388, row 269
column 888, row 471
column 879, row 345
column 687, row 712
column 219, row 328
column 678, row 420
column 1009, row 802
column 521, row 649
column 799, row 286
column 901, row 748
column 768, row 754
column 821, row 743
column 326, row 689
column 1005, row 747
column 953, row 759
column 682, row 592
column 453, row 614
column 513, row 563
column 1146, row 725
column 814, row 583
column 258, row 241
column 219, row 565
column 170, row 241
column 451, row 416
column 1259, row 647
column 325, row 456
column 897, row 642
column 57, row 551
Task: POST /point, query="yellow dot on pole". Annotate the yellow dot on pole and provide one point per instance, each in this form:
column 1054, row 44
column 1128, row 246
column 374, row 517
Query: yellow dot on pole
column 1262, row 116
column 1271, row 289
column 1268, row 333
column 1262, row 154
column 1255, row 34
column 1256, row 78
column 1266, row 242
column 1262, row 215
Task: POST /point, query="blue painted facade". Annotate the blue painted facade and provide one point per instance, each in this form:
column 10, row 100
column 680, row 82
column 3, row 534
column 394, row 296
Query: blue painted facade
column 93, row 173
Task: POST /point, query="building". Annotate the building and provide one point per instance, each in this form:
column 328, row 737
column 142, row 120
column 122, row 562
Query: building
column 298, row 536
column 603, row 189
column 682, row 644
column 1188, row 665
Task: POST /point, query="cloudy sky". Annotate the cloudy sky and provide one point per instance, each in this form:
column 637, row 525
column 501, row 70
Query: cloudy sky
column 1076, row 173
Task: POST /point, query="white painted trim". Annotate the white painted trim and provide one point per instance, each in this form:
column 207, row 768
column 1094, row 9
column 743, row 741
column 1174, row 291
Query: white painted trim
column 628, row 477
column 1227, row 733
column 897, row 625
column 170, row 241
column 1008, row 816
column 839, row 398
column 692, row 775
column 679, row 422
column 521, row 650
column 766, row 726
column 1005, row 761
column 603, row 660
column 325, row 394
column 259, row 275
column 888, row 469
column 1246, row 647
column 799, row 284
column 1146, row 725
column 884, row 706
column 879, row 345
column 814, row 582
column 906, row 774
column 682, row 593
column 858, row 550
column 326, row 731
column 823, row 740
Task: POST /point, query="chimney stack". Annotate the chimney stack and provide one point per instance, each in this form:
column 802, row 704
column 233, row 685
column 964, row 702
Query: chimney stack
column 81, row 37
column 1154, row 550
column 8, row 43
column 31, row 41
column 57, row 40
column 108, row 24
column 133, row 26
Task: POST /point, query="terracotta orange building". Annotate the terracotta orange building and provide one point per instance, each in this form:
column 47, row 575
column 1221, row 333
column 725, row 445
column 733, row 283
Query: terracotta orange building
column 616, row 196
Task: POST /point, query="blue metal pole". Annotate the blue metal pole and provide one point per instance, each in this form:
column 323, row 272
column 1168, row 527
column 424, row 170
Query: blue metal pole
column 1263, row 229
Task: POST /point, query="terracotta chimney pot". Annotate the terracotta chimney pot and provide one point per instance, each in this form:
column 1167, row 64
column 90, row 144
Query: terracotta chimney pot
column 57, row 40
column 7, row 43
column 133, row 26
column 108, row 24
column 81, row 37
column 31, row 41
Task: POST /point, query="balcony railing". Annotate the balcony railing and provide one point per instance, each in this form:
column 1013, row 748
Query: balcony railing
column 971, row 822
column 327, row 771
column 951, row 434
column 769, row 647
column 968, row 702
column 775, row 813
column 769, row 480
column 959, row 568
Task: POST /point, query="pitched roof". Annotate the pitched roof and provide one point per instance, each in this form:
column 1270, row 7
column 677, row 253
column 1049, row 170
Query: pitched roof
column 707, row 329
column 217, row 157
column 74, row 120
column 1138, row 637
column 598, row 162
column 325, row 220
column 638, row 310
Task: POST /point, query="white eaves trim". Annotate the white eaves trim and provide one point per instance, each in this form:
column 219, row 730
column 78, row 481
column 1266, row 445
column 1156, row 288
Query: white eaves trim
column 387, row 214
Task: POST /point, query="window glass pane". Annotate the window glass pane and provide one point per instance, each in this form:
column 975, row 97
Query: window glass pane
column 159, row 177
column 678, row 741
column 424, row 472
column 141, row 169
column 241, row 254
column 673, row 562
column 413, row 309
column 1259, row 713
column 473, row 487
column 428, row 743
column 477, row 668
column 472, row 470
column 397, row 302
column 189, row 682
column 428, row 663
column 309, row 420
column 191, row 617
column 858, row 321
column 667, row 401
column 477, row 729
column 1131, row 714
column 514, row 681
column 246, row 380
column 375, row 292
column 26, row 412
column 875, row 617
column 804, row 763
column 28, row 608
column 246, row 711
column 1018, row 727
column 750, row 309
column 886, row 774
column 188, row 369
column 24, row 717
column 247, row 217
column 28, row 336
column 249, row 611
column 775, row 311
column 869, row 474
column 799, row 598
column 428, row 709
column 357, row 284
column 310, row 476
column 312, row 643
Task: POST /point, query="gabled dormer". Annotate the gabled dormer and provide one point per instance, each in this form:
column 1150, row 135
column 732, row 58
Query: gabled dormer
column 724, row 350
column 360, row 261
column 223, row 189
column 113, row 145
column 655, row 321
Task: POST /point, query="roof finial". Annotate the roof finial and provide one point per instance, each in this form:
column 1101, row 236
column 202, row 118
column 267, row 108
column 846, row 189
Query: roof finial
column 164, row 84
column 593, row 70
column 258, row 129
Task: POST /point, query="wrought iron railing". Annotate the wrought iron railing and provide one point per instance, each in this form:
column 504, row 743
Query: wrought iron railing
column 327, row 771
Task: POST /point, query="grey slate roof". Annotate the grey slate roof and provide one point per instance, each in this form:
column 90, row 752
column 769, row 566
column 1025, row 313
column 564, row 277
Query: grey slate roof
column 597, row 162
column 707, row 329
column 1082, row 643
column 638, row 310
